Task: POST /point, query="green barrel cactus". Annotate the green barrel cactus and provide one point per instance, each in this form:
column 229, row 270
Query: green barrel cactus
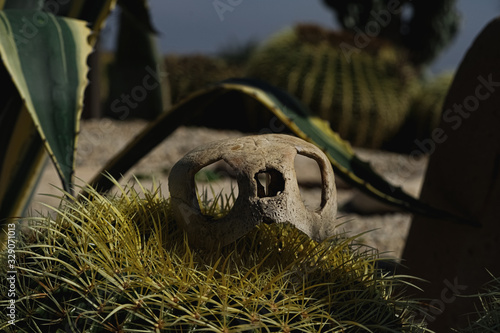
column 120, row 264
column 364, row 93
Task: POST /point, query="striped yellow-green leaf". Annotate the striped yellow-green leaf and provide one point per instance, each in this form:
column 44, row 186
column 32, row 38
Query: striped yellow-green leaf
column 94, row 13
column 236, row 95
column 45, row 56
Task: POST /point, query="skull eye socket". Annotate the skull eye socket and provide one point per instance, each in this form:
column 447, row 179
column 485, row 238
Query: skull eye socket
column 310, row 181
column 216, row 189
column 270, row 182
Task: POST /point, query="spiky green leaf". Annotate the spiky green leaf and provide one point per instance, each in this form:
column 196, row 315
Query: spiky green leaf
column 45, row 56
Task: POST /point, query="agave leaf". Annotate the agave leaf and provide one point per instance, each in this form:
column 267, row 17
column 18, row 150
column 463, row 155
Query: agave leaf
column 22, row 151
column 287, row 109
column 52, row 83
column 94, row 12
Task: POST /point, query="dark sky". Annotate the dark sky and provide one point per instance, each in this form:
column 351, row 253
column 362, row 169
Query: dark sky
column 194, row 26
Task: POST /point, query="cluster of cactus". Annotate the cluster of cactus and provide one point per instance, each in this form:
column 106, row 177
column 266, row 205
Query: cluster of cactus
column 364, row 93
column 120, row 264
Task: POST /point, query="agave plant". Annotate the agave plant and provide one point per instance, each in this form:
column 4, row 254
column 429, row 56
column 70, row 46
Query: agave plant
column 120, row 263
column 37, row 116
column 44, row 47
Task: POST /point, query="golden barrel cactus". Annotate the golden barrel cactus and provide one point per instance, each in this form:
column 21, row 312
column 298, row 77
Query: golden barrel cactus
column 120, row 264
column 364, row 93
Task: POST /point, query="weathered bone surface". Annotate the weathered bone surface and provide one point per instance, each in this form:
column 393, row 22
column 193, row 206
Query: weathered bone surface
column 272, row 154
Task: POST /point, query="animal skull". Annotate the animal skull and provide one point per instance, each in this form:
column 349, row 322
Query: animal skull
column 273, row 154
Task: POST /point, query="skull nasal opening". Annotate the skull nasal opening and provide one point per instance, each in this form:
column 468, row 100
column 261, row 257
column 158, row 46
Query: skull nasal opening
column 270, row 182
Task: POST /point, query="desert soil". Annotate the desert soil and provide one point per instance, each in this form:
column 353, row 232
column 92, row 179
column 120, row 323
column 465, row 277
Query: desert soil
column 381, row 227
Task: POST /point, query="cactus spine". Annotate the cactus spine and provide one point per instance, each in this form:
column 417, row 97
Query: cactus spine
column 120, row 264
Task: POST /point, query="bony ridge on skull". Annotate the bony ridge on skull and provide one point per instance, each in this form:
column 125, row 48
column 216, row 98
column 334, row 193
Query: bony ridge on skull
column 280, row 202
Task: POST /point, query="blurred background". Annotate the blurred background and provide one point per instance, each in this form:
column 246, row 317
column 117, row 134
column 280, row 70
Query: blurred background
column 192, row 26
column 385, row 94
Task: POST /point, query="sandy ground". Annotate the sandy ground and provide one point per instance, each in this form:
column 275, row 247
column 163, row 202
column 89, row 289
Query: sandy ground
column 382, row 227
